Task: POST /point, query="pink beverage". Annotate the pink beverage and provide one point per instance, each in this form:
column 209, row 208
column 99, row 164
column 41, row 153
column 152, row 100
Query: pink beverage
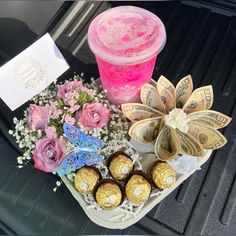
column 126, row 41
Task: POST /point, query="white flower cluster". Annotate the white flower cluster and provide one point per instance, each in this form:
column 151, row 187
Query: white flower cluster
column 25, row 138
column 116, row 129
column 177, row 119
column 58, row 184
column 47, row 95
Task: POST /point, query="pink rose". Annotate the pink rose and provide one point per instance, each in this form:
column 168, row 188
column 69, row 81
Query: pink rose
column 48, row 154
column 67, row 87
column 38, row 116
column 93, row 115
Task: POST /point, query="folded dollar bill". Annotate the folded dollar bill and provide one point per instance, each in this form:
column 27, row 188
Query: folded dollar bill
column 177, row 119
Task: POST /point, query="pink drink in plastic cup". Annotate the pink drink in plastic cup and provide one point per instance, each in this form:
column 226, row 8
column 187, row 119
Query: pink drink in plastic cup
column 126, row 41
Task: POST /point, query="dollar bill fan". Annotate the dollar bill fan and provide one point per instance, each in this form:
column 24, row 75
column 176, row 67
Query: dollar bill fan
column 177, row 119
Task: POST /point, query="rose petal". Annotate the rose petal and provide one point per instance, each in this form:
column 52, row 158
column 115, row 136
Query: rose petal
column 42, row 160
column 93, row 115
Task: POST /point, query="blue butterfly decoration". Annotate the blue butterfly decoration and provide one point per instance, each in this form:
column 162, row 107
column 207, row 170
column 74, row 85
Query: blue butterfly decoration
column 85, row 152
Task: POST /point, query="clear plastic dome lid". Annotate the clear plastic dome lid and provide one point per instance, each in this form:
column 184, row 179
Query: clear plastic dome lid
column 126, row 34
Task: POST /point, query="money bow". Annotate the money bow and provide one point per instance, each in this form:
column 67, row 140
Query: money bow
column 177, row 119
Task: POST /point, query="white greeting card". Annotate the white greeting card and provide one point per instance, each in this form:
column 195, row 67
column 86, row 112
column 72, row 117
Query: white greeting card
column 31, row 71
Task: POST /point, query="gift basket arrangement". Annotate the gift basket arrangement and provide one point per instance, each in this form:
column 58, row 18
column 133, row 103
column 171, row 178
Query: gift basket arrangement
column 123, row 142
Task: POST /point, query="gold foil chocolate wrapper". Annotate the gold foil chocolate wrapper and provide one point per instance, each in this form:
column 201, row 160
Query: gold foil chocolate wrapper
column 137, row 188
column 108, row 194
column 86, row 179
column 162, row 175
column 120, row 165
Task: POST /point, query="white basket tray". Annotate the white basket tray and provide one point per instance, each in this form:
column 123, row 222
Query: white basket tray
column 103, row 217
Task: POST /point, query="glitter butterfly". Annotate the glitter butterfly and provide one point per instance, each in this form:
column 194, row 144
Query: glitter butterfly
column 86, row 150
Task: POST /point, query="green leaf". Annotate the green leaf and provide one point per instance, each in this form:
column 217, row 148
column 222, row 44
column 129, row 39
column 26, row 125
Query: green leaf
column 83, row 98
column 60, row 103
column 58, row 124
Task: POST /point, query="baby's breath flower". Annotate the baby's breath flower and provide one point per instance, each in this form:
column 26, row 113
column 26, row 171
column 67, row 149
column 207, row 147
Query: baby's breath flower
column 113, row 134
column 58, row 183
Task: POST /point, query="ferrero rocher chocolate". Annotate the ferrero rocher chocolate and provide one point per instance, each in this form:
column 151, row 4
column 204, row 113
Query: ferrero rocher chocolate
column 108, row 195
column 163, row 175
column 137, row 189
column 120, row 166
column 85, row 179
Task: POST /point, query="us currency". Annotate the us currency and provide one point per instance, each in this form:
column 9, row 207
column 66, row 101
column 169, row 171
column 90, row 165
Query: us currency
column 209, row 138
column 189, row 145
column 183, row 90
column 167, row 92
column 210, row 118
column 151, row 97
column 167, row 145
column 146, row 131
column 137, row 111
column 201, row 99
